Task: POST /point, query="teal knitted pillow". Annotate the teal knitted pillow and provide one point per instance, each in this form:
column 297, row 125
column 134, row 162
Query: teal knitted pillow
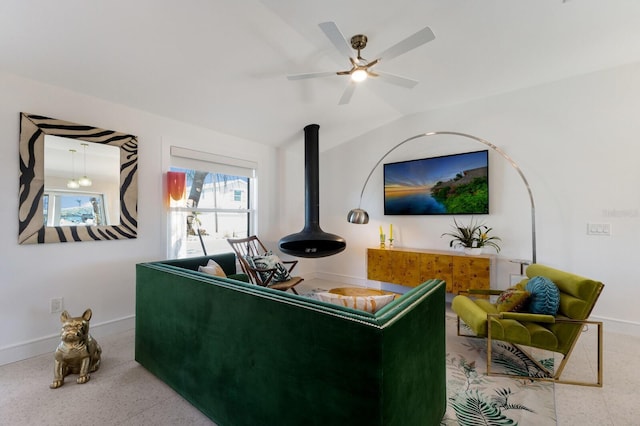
column 545, row 296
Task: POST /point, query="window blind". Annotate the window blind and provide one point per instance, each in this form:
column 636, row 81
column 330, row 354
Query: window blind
column 207, row 162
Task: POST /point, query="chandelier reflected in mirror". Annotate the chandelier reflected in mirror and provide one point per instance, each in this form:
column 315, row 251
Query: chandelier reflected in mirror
column 84, row 180
column 73, row 183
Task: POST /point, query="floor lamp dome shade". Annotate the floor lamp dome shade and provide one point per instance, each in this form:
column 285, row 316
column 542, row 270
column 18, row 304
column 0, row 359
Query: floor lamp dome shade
column 360, row 216
column 312, row 241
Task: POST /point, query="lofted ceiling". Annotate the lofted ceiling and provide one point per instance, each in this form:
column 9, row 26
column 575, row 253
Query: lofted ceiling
column 221, row 64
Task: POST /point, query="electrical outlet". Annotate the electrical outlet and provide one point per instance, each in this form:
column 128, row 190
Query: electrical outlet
column 599, row 229
column 56, row 305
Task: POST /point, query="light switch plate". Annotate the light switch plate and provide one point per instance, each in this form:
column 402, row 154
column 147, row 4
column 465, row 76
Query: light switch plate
column 599, row 229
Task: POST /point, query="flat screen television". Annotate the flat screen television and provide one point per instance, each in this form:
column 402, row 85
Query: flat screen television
column 450, row 184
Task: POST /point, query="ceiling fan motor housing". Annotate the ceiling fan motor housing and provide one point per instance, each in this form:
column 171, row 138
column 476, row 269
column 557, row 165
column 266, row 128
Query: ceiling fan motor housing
column 359, row 41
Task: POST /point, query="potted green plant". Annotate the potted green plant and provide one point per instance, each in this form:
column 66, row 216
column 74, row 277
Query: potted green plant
column 473, row 237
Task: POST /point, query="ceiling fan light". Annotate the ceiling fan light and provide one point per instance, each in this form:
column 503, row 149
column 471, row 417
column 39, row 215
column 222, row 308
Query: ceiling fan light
column 358, row 76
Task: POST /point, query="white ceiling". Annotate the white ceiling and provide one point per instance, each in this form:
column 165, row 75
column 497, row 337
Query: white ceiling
column 221, row 64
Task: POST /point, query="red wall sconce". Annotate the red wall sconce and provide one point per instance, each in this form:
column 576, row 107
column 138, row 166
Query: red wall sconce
column 176, row 184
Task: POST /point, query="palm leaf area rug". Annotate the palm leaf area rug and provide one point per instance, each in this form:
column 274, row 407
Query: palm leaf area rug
column 473, row 398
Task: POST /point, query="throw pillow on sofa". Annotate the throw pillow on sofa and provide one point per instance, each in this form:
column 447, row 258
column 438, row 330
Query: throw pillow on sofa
column 269, row 261
column 212, row 268
column 545, row 296
column 365, row 303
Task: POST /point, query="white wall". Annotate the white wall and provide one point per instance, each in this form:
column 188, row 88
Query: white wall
column 99, row 275
column 576, row 141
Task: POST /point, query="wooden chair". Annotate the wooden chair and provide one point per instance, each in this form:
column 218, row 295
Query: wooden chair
column 252, row 246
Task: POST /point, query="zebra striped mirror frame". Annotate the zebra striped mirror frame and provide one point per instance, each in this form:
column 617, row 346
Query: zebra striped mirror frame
column 31, row 226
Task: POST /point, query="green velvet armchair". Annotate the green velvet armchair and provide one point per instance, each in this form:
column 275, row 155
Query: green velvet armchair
column 557, row 333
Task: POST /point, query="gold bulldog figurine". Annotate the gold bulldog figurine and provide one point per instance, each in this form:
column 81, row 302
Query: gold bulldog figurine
column 78, row 352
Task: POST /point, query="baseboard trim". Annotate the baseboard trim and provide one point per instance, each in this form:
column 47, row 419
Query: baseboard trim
column 342, row 279
column 43, row 345
column 615, row 325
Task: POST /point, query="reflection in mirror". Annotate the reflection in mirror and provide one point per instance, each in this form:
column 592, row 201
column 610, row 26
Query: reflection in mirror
column 73, row 209
column 81, row 183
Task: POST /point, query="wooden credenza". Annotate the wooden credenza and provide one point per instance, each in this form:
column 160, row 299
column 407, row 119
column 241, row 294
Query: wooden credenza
column 411, row 267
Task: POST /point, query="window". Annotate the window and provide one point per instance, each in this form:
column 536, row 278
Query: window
column 73, row 209
column 217, row 204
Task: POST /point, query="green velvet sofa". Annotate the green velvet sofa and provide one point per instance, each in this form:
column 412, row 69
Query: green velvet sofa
column 227, row 262
column 249, row 355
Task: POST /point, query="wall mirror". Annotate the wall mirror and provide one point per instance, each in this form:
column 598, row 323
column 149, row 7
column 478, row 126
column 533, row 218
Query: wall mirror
column 81, row 182
column 77, row 182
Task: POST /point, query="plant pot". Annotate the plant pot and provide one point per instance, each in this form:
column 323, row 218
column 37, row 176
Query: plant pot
column 474, row 251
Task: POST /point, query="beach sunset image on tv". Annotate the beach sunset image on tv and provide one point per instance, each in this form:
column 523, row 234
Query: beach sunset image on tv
column 451, row 184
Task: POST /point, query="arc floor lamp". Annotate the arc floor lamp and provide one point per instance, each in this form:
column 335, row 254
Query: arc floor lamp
column 360, row 216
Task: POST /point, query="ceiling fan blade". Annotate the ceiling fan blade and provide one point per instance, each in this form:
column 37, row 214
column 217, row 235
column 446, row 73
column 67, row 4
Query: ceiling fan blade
column 423, row 36
column 348, row 93
column 310, row 75
column 333, row 33
column 397, row 80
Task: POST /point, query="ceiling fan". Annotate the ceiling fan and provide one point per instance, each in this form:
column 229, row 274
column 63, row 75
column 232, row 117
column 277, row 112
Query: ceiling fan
column 361, row 68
